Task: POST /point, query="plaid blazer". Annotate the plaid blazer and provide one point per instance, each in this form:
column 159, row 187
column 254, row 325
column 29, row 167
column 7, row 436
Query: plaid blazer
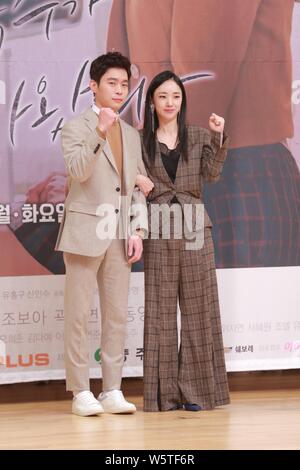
column 206, row 156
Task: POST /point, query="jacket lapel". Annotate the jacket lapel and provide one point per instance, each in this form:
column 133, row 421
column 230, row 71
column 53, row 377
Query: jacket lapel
column 129, row 168
column 91, row 121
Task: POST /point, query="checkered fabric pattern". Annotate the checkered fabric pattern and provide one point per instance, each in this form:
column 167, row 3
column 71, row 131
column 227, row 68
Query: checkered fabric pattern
column 39, row 240
column 196, row 373
column 255, row 208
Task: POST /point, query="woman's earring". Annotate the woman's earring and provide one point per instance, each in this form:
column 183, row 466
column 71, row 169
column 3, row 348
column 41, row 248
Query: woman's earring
column 152, row 116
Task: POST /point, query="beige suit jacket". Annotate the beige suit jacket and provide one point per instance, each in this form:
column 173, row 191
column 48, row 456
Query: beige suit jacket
column 95, row 187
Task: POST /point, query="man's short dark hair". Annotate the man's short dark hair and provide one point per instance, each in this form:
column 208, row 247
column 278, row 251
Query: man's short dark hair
column 107, row 61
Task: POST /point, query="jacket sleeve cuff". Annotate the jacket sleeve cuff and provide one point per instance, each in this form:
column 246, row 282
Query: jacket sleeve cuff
column 140, row 233
column 95, row 142
column 219, row 139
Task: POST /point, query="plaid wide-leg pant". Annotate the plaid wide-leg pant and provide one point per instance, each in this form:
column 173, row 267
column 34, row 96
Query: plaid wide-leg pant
column 196, row 373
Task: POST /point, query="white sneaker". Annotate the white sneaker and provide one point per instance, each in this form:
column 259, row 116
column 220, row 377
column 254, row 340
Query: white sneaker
column 114, row 402
column 85, row 404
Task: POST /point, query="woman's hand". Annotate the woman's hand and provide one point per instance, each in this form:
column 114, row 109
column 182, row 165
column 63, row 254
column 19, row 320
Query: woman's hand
column 145, row 184
column 216, row 123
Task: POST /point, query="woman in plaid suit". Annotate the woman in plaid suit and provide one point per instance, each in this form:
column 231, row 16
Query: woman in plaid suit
column 179, row 255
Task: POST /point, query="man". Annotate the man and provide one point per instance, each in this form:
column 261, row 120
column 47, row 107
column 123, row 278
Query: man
column 102, row 155
column 244, row 45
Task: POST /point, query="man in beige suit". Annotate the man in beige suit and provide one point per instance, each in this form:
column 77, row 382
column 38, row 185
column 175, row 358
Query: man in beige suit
column 101, row 233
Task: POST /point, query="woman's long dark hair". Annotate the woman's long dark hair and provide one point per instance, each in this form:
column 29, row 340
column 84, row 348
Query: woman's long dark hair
column 149, row 133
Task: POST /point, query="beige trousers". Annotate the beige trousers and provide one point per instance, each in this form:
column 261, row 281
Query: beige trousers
column 112, row 273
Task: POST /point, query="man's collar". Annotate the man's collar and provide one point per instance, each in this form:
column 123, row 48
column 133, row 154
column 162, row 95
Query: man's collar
column 96, row 109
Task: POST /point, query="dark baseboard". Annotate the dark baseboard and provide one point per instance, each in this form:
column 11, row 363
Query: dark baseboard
column 238, row 381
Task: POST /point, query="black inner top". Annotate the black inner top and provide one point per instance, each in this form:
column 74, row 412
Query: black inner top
column 170, row 159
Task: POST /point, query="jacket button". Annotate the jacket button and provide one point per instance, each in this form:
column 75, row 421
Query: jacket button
column 118, row 189
column 96, row 148
column 116, row 211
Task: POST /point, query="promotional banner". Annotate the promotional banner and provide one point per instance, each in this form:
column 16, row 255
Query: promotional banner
column 237, row 58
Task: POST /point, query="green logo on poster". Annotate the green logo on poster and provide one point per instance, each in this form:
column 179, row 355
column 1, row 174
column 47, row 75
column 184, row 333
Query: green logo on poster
column 97, row 355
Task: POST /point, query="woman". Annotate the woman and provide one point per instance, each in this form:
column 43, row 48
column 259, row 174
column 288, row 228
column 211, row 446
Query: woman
column 179, row 159
column 246, row 46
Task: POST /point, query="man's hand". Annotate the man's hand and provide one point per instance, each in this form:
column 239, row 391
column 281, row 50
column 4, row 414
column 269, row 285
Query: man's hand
column 107, row 117
column 135, row 249
column 216, row 123
column 144, row 183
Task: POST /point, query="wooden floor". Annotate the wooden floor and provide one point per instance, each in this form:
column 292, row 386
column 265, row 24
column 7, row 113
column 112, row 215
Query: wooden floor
column 254, row 420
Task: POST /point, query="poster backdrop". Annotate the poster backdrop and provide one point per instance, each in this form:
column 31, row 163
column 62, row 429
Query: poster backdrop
column 237, row 58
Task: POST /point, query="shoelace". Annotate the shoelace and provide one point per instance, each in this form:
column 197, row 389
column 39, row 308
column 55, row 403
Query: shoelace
column 113, row 393
column 87, row 397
